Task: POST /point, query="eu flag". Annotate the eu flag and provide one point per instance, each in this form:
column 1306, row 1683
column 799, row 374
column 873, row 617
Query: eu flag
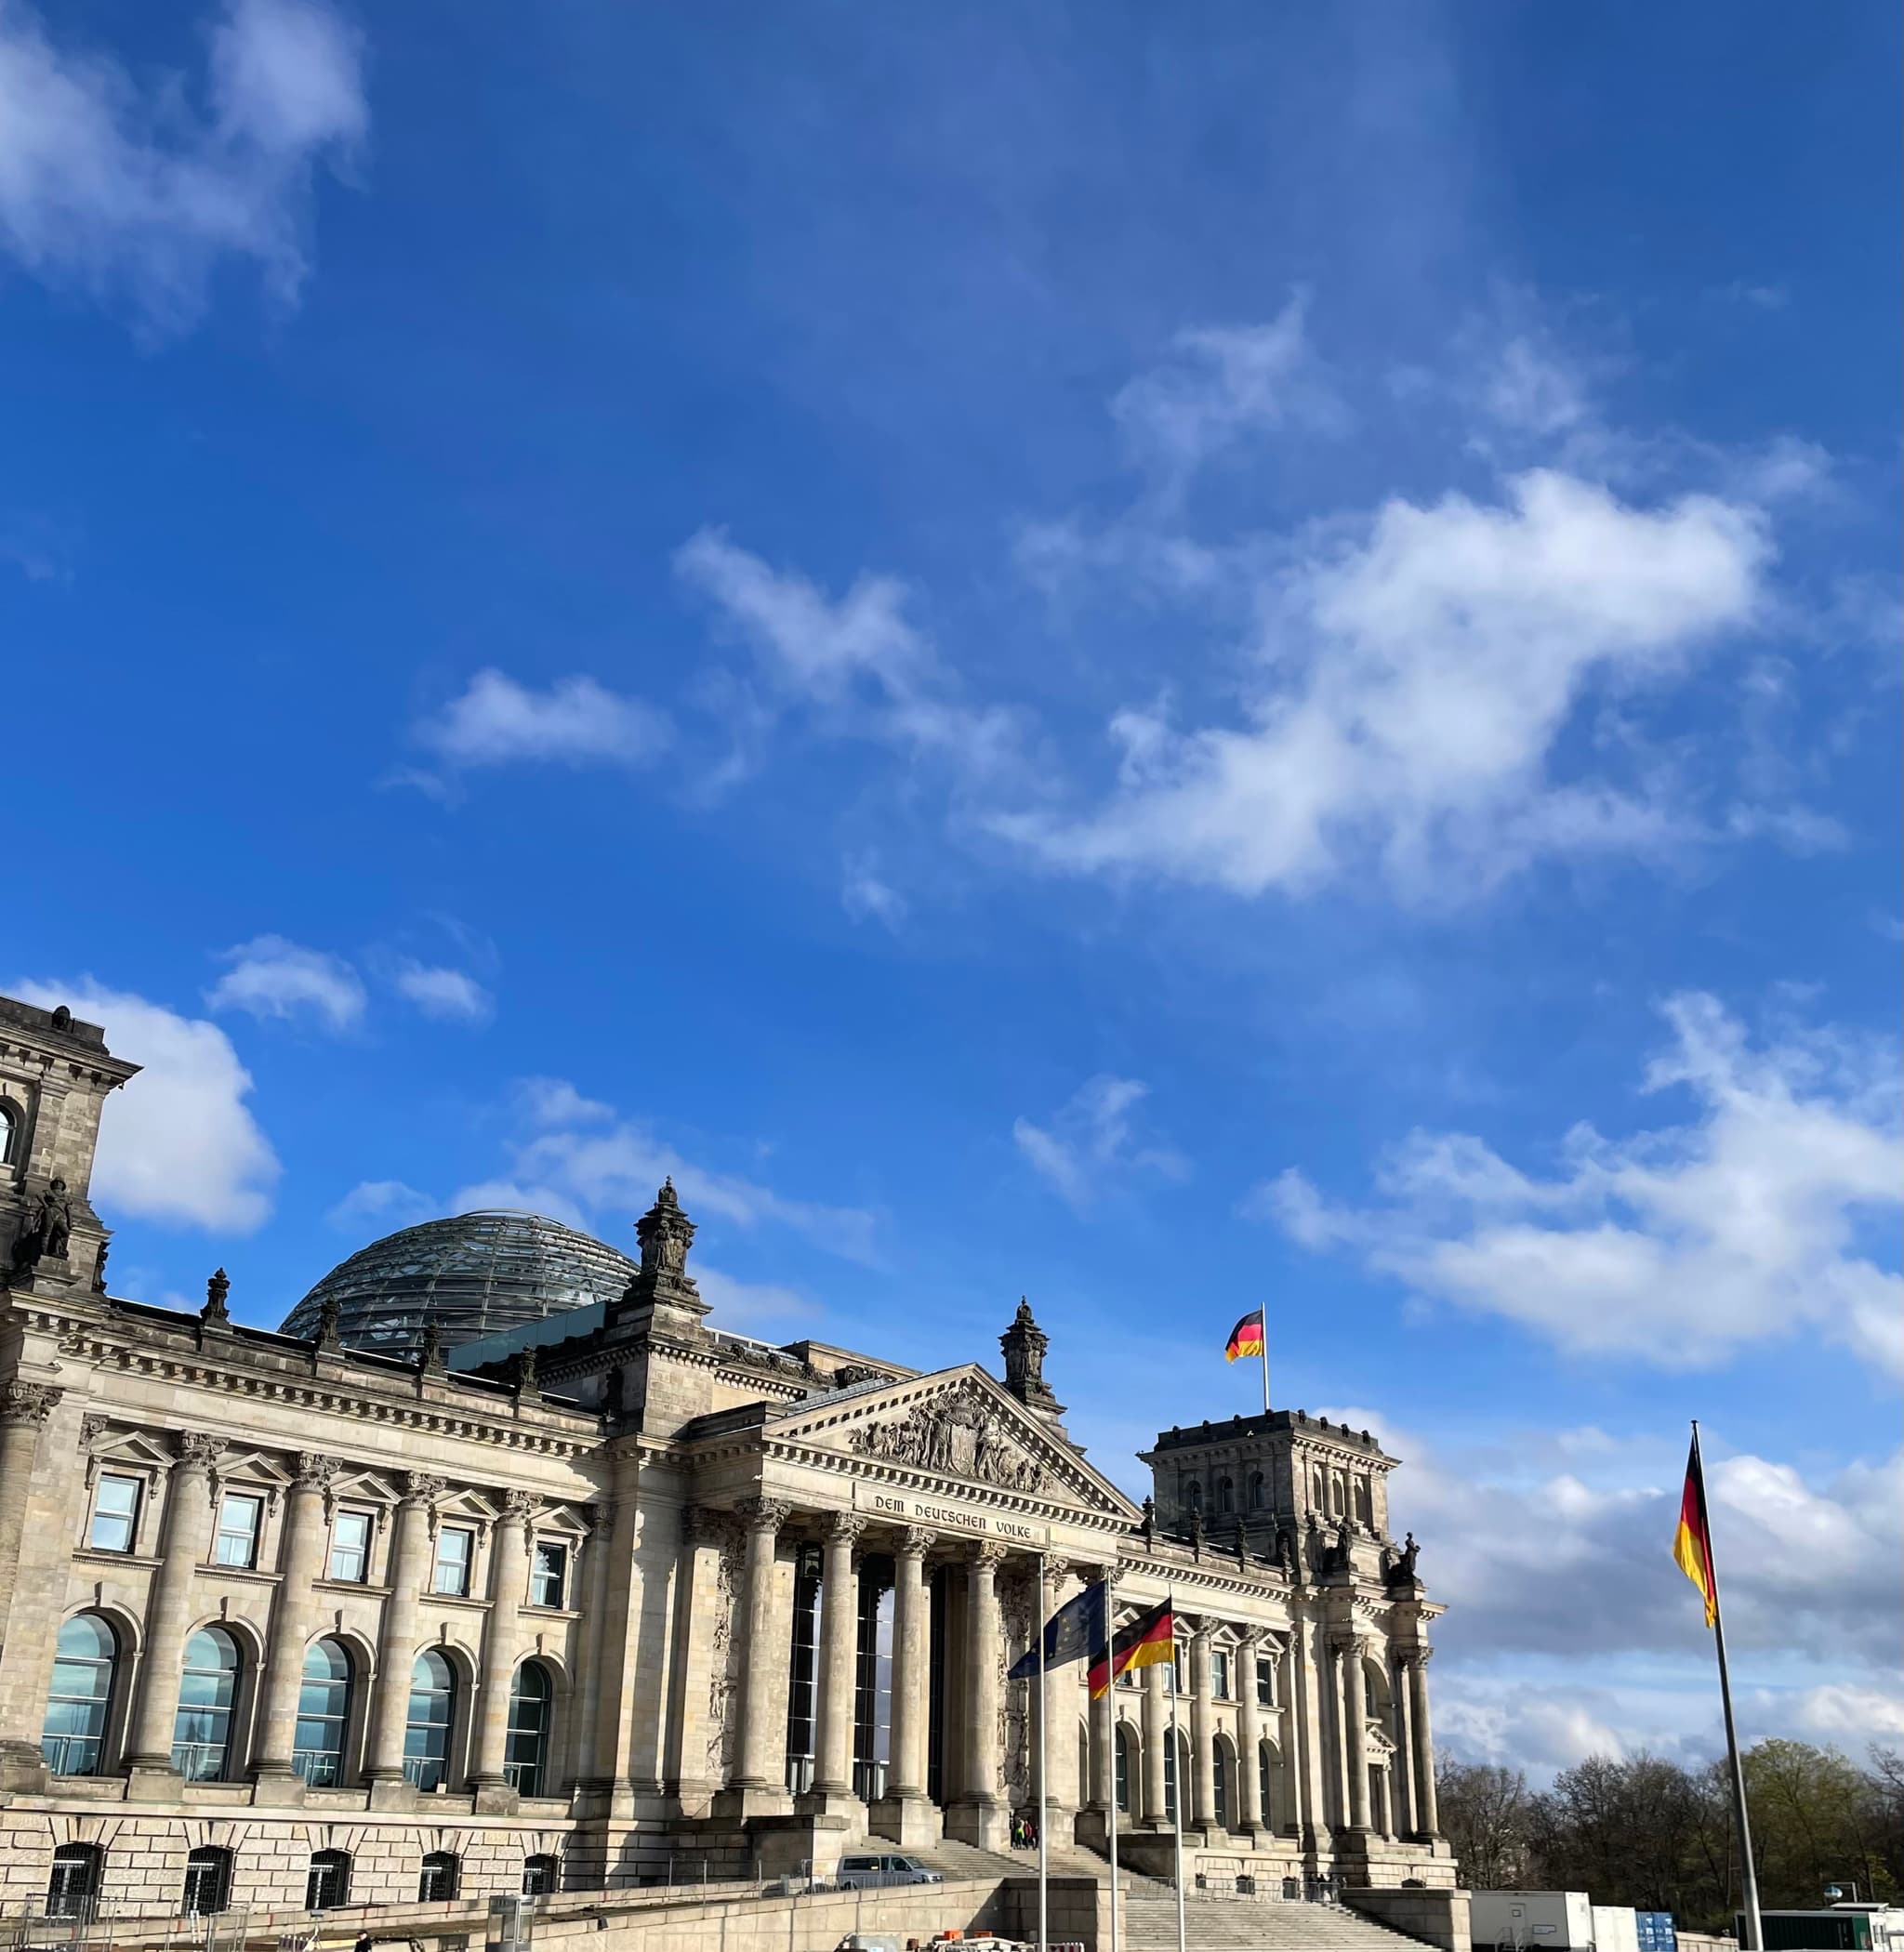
column 1074, row 1632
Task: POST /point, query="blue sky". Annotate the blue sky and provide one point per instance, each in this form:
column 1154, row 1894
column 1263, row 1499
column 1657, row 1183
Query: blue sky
column 1156, row 663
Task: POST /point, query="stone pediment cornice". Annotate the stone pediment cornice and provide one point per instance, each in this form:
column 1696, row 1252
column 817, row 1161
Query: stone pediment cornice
column 1212, row 1576
column 955, row 1432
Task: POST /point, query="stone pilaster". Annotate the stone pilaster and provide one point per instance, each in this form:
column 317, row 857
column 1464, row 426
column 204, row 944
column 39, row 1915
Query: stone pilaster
column 300, row 1563
column 1309, row 1661
column 396, row 1653
column 508, row 1586
column 1402, row 1770
column 168, row 1616
column 692, row 1764
column 838, row 1651
column 24, row 1408
column 980, row 1816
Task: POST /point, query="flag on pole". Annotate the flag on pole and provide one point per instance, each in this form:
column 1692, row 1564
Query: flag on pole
column 1074, row 1632
column 1692, row 1543
column 1246, row 1338
column 1147, row 1641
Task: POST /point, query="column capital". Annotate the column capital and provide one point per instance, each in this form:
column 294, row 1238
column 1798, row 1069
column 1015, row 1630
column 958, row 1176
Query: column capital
column 421, row 1488
column 702, row 1524
column 314, row 1471
column 196, row 1450
column 28, row 1402
column 989, row 1555
column 916, row 1541
column 845, row 1528
column 516, row 1507
column 764, row 1514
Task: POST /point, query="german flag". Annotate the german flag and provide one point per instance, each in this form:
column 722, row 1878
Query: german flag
column 1246, row 1338
column 1148, row 1640
column 1692, row 1544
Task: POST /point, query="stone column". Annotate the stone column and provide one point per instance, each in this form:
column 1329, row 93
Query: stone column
column 1250, row 1816
column 839, row 1655
column 1401, row 1772
column 1355, row 1705
column 1062, row 1792
column 1202, row 1809
column 1156, row 1733
column 1427, row 1816
column 300, row 1565
column 509, row 1588
column 981, row 1812
column 1289, row 1739
column 906, row 1815
column 170, row 1608
column 763, row 1746
column 24, row 1408
column 1307, row 1758
column 396, row 1651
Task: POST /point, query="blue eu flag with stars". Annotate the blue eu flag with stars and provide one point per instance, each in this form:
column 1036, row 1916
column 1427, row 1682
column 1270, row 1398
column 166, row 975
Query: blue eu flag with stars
column 1074, row 1632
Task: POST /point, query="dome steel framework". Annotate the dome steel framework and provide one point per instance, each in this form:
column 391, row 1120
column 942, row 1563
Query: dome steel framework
column 471, row 1277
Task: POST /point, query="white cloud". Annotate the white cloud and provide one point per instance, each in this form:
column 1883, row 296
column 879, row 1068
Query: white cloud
column 497, row 721
column 749, row 1307
column 448, row 994
column 1414, row 687
column 859, row 660
column 868, row 898
column 1226, row 382
column 272, row 977
column 1534, row 390
column 1089, row 1144
column 553, row 1101
column 381, row 1206
column 179, row 1143
column 1675, row 1246
column 513, row 1196
column 117, row 192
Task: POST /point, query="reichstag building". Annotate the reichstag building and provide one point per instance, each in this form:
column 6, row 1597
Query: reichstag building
column 501, row 1566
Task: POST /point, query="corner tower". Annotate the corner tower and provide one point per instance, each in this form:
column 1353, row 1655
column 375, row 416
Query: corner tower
column 55, row 1073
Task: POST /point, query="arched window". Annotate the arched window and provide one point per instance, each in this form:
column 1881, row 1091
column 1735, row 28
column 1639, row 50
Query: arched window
column 433, row 1708
column 1123, row 1769
column 85, row 1664
column 202, row 1730
column 1170, row 1779
column 207, row 1880
column 541, row 1875
column 1266, row 1785
column 1257, row 1492
column 438, row 1882
column 72, row 1891
column 1220, row 1784
column 324, row 1715
column 1225, row 1498
column 329, row 1883
column 9, row 1132
column 1195, row 1494
column 525, row 1754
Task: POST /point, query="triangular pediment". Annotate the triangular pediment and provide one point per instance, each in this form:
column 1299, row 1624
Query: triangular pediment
column 955, row 1428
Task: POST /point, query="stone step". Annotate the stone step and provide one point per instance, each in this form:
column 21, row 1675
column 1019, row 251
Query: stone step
column 1244, row 1925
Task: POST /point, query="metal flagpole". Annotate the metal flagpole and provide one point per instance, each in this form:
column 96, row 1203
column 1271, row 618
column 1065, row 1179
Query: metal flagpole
column 1176, row 1772
column 1043, row 1787
column 1749, row 1876
column 1111, row 1735
column 1265, row 1359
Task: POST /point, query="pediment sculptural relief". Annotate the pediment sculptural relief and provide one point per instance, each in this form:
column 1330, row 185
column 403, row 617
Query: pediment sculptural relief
column 954, row 1434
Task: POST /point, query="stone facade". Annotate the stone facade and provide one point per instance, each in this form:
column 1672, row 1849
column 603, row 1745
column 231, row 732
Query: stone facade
column 293, row 1620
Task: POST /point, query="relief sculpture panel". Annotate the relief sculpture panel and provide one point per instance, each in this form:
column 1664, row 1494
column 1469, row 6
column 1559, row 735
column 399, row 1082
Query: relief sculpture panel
column 958, row 1434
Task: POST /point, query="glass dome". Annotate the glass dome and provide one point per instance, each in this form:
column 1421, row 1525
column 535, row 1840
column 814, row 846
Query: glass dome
column 472, row 1276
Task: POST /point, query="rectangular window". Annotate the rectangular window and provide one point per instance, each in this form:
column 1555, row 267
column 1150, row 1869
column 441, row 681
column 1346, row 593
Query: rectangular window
column 116, row 1514
column 1220, row 1676
column 1265, row 1684
column 548, row 1579
column 1180, row 1671
column 350, row 1547
column 239, row 1521
column 456, row 1551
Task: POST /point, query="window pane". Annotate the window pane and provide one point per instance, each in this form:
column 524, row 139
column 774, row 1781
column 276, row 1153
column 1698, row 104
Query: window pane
column 550, row 1576
column 350, row 1547
column 453, row 1552
column 116, row 1514
column 238, row 1527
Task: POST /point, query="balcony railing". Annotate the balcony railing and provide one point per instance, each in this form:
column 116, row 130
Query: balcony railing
column 425, row 1772
column 869, row 1780
column 199, row 1762
column 799, row 1774
column 317, row 1768
column 72, row 1755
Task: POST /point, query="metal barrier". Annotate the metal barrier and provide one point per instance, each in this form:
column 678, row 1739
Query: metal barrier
column 93, row 1924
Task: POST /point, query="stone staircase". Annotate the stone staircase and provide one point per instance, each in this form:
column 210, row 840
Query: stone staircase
column 1250, row 1925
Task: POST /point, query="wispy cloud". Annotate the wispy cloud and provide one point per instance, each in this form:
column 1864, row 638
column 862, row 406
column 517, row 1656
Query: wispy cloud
column 381, row 1206
column 1092, row 1144
column 121, row 192
column 575, row 721
column 1676, row 1245
column 271, row 976
column 867, row 896
column 452, row 995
